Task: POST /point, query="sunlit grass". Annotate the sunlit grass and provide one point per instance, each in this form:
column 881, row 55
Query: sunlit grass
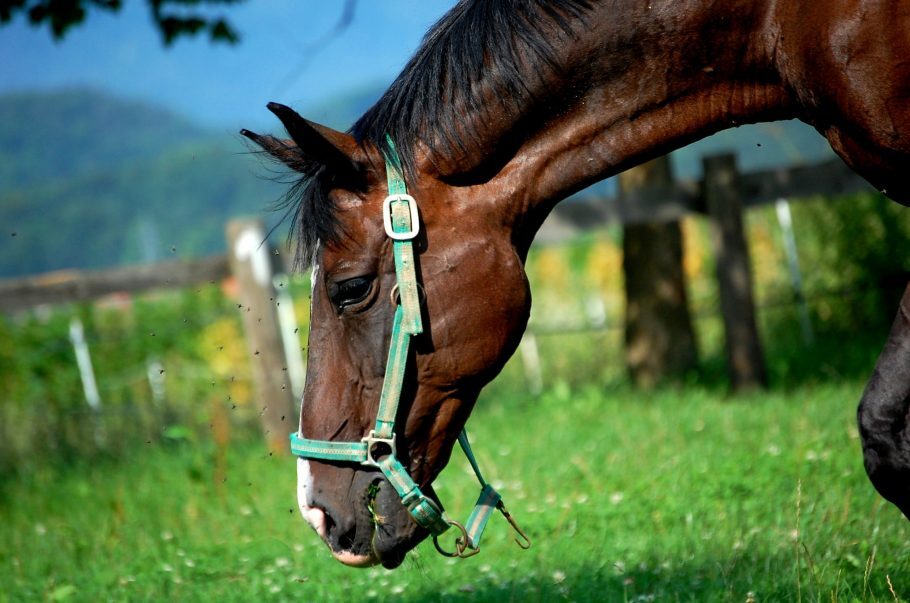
column 671, row 496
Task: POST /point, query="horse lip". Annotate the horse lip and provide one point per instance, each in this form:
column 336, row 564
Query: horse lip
column 353, row 560
column 372, row 559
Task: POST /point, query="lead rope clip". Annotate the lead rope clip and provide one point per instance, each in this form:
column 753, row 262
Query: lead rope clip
column 522, row 539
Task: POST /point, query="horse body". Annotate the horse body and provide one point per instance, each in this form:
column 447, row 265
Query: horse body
column 508, row 107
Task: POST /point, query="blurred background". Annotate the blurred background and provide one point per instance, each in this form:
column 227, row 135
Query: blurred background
column 122, row 316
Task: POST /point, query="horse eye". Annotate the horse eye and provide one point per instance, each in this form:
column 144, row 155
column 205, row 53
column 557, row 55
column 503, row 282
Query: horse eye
column 350, row 292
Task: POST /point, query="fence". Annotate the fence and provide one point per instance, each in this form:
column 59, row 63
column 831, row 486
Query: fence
column 264, row 303
column 827, row 179
column 179, row 389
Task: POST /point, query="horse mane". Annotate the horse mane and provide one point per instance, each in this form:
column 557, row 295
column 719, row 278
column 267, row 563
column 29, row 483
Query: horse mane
column 480, row 50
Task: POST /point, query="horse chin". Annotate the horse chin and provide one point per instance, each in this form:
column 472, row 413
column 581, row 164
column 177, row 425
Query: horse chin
column 388, row 560
column 353, row 560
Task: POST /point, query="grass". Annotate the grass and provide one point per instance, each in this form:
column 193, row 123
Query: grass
column 678, row 495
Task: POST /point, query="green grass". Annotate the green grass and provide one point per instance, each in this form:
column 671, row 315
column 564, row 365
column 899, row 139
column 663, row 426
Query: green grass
column 679, row 495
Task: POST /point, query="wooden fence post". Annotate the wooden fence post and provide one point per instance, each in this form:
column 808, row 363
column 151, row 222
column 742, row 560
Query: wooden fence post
column 251, row 265
column 734, row 275
column 660, row 342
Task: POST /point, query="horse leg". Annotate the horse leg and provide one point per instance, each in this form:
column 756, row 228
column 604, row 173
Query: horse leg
column 883, row 415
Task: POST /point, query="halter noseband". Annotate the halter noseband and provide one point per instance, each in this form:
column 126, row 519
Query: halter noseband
column 377, row 448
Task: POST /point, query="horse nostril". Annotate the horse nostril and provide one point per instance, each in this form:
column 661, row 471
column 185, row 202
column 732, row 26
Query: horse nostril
column 329, row 525
column 339, row 536
column 318, row 520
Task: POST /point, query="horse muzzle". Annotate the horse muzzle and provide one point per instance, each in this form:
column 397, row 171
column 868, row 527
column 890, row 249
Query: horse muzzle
column 365, row 525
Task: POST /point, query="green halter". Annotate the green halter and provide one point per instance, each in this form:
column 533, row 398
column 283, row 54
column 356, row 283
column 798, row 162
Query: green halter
column 377, row 449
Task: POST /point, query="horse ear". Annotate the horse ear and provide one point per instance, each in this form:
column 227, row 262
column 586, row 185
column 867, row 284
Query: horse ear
column 310, row 143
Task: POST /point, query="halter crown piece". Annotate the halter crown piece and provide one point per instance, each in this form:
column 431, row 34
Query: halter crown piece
column 377, row 448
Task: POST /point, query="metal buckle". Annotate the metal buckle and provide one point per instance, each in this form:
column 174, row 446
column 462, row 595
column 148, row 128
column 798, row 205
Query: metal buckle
column 370, row 440
column 387, row 217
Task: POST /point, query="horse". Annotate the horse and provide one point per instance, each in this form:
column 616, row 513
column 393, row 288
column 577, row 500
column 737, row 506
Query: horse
column 506, row 108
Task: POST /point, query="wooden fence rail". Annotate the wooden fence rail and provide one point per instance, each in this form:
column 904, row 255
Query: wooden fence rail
column 81, row 285
column 830, row 179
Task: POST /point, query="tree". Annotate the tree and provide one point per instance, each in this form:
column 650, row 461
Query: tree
column 173, row 18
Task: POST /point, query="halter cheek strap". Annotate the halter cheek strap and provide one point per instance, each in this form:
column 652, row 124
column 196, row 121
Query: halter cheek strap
column 377, row 449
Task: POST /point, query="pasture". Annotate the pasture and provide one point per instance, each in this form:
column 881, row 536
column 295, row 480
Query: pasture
column 680, row 494
column 674, row 495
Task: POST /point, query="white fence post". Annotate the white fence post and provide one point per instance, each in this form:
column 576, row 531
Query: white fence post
column 155, row 374
column 287, row 322
column 530, row 358
column 84, row 361
column 785, row 219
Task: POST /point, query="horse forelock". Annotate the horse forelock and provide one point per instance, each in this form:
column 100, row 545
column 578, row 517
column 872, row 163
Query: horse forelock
column 479, row 51
column 312, row 214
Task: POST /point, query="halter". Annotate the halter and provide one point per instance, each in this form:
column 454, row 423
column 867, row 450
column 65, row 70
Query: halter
column 377, row 448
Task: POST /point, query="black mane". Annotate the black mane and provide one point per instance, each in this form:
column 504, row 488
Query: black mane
column 480, row 49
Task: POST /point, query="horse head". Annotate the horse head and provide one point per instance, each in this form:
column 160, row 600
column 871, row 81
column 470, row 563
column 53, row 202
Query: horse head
column 471, row 325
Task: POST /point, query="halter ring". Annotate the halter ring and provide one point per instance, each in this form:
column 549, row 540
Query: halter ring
column 394, row 297
column 461, row 544
column 371, row 440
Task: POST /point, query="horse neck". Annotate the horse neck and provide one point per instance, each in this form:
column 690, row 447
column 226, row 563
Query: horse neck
column 656, row 76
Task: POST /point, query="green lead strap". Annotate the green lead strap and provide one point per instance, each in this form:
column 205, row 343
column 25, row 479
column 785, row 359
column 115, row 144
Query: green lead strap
column 421, row 508
column 488, row 500
column 483, row 510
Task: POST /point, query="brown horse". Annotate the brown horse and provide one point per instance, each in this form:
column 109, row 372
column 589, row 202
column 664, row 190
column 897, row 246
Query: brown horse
column 507, row 107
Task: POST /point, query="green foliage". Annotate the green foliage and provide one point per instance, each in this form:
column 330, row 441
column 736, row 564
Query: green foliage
column 862, row 244
column 134, row 344
column 854, row 256
column 171, row 17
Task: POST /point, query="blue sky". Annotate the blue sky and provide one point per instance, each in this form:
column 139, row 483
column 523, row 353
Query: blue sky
column 279, row 58
column 221, row 85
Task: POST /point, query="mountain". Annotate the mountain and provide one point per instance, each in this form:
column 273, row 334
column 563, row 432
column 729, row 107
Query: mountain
column 89, row 181
column 64, row 133
column 756, row 146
